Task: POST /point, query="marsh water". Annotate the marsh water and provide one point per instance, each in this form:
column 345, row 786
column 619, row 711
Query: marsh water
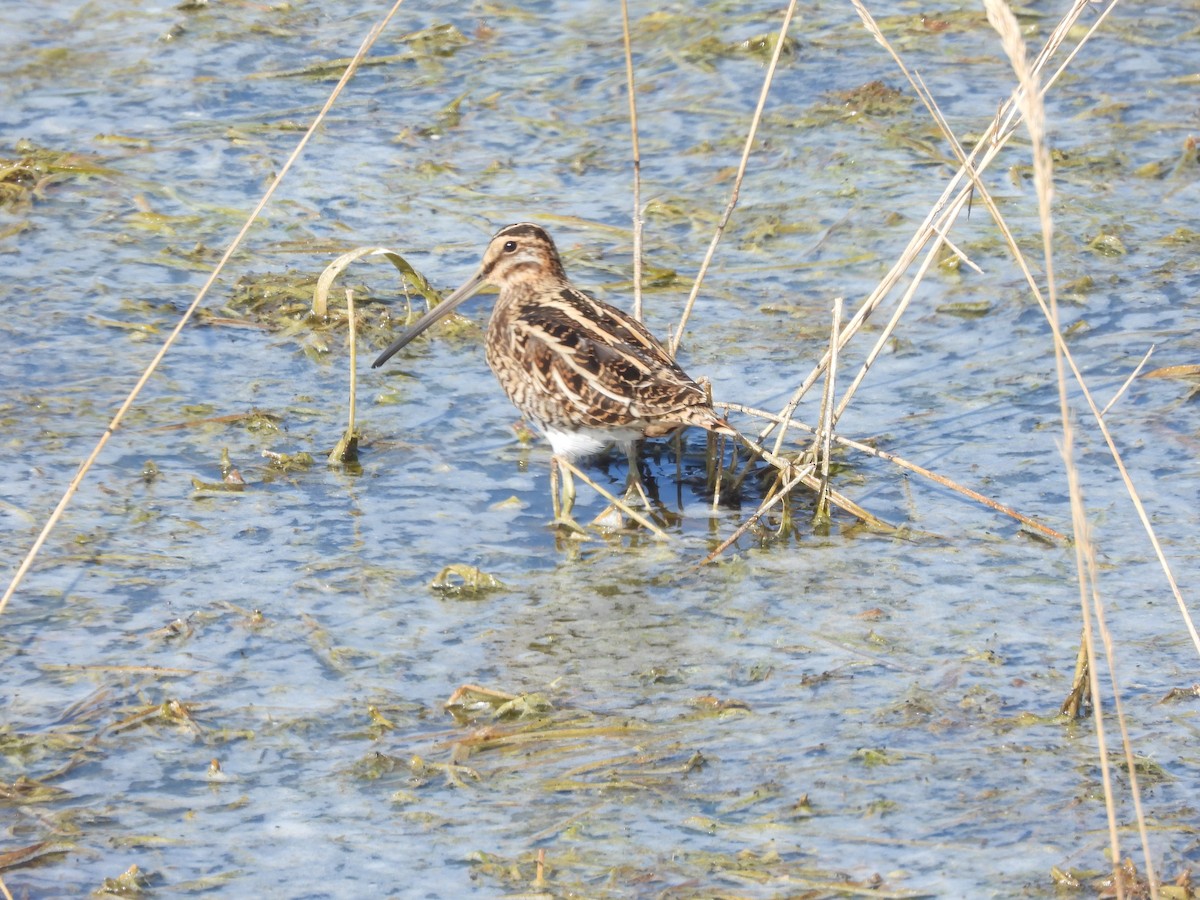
column 243, row 692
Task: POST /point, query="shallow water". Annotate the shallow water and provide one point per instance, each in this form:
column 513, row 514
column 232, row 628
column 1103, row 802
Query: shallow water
column 811, row 713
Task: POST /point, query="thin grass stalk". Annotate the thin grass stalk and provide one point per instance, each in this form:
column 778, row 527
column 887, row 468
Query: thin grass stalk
column 1128, row 381
column 822, row 442
column 346, row 450
column 4, row 890
column 1089, row 649
column 786, row 524
column 637, row 165
column 185, row 317
column 1004, row 22
column 714, row 463
column 353, row 329
column 677, row 337
column 1135, row 792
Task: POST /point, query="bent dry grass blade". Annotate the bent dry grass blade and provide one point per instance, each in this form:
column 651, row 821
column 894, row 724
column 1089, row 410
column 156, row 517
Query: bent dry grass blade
column 346, row 449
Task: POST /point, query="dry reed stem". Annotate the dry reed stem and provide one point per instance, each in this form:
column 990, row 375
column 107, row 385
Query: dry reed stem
column 673, row 346
column 1086, row 575
column 1029, row 99
column 85, row 467
column 637, row 165
column 522, row 735
column 346, row 449
column 1128, row 381
column 353, row 329
column 157, row 671
column 1080, row 684
column 4, row 890
column 637, row 517
column 961, row 489
column 822, row 441
column 1135, row 792
column 717, row 478
column 539, row 880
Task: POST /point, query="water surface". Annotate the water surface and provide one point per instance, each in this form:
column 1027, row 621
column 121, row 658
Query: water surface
column 832, row 708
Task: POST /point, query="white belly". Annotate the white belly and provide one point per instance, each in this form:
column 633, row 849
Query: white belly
column 584, row 442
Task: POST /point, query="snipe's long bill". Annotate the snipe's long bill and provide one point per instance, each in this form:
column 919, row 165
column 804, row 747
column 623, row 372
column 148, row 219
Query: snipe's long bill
column 586, row 373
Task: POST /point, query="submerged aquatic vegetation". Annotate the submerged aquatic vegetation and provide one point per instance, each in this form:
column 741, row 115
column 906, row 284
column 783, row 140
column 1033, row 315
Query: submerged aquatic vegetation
column 133, row 882
column 295, row 303
column 428, row 44
column 460, row 579
column 26, row 176
column 588, row 768
column 703, row 38
column 875, row 98
column 281, row 302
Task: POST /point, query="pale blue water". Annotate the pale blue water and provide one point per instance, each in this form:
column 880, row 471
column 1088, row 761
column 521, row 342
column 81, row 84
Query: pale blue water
column 933, row 650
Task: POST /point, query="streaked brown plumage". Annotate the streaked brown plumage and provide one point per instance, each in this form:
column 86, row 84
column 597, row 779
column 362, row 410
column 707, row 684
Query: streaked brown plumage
column 586, row 373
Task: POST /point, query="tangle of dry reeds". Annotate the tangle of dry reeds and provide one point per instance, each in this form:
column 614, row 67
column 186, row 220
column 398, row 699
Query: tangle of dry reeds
column 1024, row 108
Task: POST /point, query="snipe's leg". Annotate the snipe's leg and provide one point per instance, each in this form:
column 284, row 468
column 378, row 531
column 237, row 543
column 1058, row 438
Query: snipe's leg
column 633, row 483
column 614, row 515
column 568, row 493
column 555, row 495
column 562, row 495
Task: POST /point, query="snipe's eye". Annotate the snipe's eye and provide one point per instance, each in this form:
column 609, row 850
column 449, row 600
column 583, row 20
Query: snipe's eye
column 510, row 246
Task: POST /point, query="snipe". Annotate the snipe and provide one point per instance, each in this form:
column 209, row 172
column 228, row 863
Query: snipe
column 586, row 373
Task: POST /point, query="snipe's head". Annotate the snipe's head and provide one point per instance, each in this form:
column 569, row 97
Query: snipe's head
column 519, row 257
column 521, row 254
